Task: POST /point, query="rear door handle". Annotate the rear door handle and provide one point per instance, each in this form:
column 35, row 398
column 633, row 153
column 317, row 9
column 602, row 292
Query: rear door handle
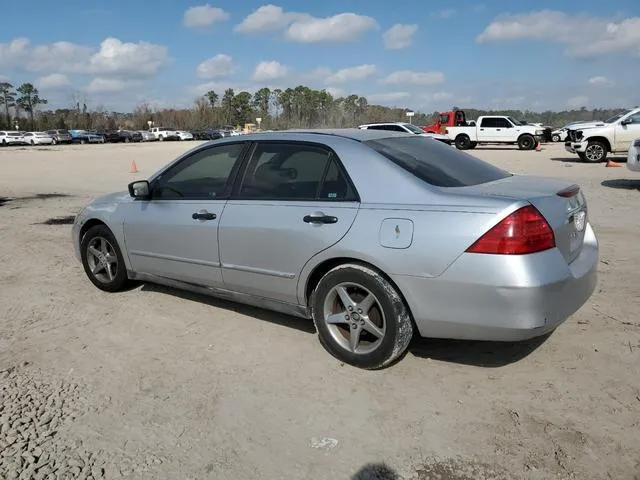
column 319, row 217
column 203, row 215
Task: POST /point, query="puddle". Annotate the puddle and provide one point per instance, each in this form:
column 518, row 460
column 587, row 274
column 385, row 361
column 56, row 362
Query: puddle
column 44, row 196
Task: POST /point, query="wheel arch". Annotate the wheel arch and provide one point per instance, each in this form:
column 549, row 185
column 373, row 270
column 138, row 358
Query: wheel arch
column 325, row 266
column 603, row 140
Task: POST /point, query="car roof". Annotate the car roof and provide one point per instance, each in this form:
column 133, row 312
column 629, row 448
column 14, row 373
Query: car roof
column 347, row 133
column 383, row 123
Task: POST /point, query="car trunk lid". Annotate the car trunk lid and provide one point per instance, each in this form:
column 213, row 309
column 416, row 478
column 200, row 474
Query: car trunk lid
column 560, row 202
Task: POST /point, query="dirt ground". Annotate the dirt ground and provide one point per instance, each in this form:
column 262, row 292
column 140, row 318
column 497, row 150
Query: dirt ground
column 154, row 383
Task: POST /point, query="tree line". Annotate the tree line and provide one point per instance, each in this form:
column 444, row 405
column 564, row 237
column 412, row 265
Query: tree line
column 299, row 107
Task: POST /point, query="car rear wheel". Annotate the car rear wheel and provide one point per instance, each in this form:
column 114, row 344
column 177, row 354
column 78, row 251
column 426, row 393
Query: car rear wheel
column 555, row 138
column 463, row 142
column 595, row 152
column 360, row 317
column 102, row 259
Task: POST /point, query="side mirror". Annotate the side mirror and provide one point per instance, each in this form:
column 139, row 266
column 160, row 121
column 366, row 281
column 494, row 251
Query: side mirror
column 626, row 122
column 139, row 189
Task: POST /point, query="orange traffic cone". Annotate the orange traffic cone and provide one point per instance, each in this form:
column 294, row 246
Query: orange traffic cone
column 613, row 164
column 134, row 167
column 538, row 147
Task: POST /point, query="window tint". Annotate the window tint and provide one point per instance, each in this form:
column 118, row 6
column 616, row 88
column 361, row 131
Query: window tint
column 335, row 185
column 288, row 171
column 203, row 175
column 503, row 123
column 435, row 162
column 489, row 122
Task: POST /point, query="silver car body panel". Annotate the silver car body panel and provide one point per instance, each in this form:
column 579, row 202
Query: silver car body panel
column 261, row 252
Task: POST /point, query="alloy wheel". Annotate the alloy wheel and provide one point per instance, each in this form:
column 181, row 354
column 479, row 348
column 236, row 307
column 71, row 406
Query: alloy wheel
column 354, row 317
column 102, row 259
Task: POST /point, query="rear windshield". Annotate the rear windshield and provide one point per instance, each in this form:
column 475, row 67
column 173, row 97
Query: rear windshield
column 435, row 162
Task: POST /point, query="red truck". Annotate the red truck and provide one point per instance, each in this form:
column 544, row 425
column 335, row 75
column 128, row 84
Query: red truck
column 454, row 118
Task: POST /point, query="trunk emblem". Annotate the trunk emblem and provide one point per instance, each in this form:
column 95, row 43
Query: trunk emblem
column 579, row 220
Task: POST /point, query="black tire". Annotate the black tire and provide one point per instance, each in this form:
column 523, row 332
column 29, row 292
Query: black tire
column 555, row 138
column 397, row 324
column 160, row 138
column 595, row 152
column 462, row 142
column 527, row 142
column 54, row 142
column 473, row 145
column 120, row 281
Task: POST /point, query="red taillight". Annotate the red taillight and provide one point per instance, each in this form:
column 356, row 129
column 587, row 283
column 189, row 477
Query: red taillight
column 524, row 231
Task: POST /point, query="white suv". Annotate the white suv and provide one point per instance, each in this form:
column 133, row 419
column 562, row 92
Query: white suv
column 406, row 128
column 616, row 135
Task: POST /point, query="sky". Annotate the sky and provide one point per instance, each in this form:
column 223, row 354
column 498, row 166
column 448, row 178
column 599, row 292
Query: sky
column 421, row 54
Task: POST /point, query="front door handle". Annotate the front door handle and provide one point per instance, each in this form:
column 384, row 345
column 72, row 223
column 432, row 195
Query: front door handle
column 319, row 217
column 203, row 215
column 498, row 130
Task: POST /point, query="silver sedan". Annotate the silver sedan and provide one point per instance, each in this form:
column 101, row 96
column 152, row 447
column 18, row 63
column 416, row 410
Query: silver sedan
column 374, row 235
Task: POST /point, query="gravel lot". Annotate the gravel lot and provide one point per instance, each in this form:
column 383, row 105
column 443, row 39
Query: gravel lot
column 154, row 383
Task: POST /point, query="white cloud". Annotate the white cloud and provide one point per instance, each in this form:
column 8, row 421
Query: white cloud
column 399, row 36
column 52, row 81
column 387, row 97
column 343, row 27
column 272, row 70
column 140, row 59
column 203, row 16
column 336, row 92
column 106, row 85
column 446, row 13
column 409, row 77
column 216, row 67
column 352, row 74
column 604, row 37
column 269, row 18
column 577, row 101
column 600, row 81
column 113, row 57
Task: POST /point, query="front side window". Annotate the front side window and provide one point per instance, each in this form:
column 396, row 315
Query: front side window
column 206, row 174
column 293, row 171
column 634, row 119
column 503, row 123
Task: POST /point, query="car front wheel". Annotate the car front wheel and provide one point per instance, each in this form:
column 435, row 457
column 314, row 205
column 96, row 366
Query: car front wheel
column 102, row 259
column 360, row 317
column 595, row 152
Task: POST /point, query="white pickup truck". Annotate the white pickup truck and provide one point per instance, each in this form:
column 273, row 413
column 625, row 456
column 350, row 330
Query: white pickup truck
column 165, row 133
column 496, row 129
column 615, row 135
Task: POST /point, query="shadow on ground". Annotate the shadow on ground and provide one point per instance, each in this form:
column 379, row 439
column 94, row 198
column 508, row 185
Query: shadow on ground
column 259, row 313
column 622, row 183
column 437, row 469
column 476, row 353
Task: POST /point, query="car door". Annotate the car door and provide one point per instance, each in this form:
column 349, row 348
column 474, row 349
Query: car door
column 487, row 130
column 505, row 131
column 174, row 234
column 626, row 134
column 294, row 200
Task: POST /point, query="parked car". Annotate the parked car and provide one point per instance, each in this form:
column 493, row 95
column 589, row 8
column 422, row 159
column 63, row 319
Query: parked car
column 184, row 135
column 496, row 129
column 147, row 136
column 60, row 136
column 117, row 136
column 165, row 133
column 633, row 157
column 373, row 234
column 84, row 136
column 407, row 128
column 9, row 137
column 593, row 143
column 38, row 138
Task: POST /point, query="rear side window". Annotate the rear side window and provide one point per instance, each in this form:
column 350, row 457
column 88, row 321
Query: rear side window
column 436, row 163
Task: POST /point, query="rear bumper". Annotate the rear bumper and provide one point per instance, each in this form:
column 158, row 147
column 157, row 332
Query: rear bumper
column 502, row 298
